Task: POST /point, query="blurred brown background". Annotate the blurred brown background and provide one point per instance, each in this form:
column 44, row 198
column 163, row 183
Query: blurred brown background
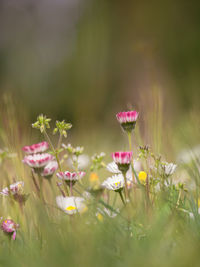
column 86, row 60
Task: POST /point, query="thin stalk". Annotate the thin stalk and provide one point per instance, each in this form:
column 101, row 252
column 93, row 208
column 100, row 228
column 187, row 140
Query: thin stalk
column 129, row 140
column 126, row 188
column 53, row 149
column 41, row 188
column 35, row 183
column 130, row 148
column 178, row 200
column 122, row 198
column 59, row 141
column 71, row 188
column 62, row 192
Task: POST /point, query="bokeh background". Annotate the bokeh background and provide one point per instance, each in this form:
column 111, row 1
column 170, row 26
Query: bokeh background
column 85, row 60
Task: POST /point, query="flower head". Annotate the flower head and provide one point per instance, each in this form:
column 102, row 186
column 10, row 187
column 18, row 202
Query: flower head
column 36, row 148
column 9, row 227
column 123, row 160
column 70, row 176
column 37, row 160
column 127, row 119
column 169, row 168
column 115, row 183
column 142, row 176
column 71, row 205
column 49, row 169
column 13, row 189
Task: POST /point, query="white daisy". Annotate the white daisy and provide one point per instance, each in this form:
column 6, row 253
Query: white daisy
column 71, row 205
column 115, row 183
column 169, row 168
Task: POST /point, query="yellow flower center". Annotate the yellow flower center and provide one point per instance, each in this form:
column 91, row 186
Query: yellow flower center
column 69, row 208
column 100, row 217
column 142, row 176
column 117, row 183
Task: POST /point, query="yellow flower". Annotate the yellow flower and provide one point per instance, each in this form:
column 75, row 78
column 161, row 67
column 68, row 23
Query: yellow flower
column 94, row 180
column 100, row 217
column 94, row 177
column 142, row 176
column 199, row 202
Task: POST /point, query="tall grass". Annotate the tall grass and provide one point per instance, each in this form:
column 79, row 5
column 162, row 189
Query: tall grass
column 166, row 233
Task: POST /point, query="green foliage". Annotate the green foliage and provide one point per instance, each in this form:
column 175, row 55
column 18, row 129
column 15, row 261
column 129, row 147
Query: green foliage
column 62, row 127
column 42, row 123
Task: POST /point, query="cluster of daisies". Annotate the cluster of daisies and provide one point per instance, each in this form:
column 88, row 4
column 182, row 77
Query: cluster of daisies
column 45, row 164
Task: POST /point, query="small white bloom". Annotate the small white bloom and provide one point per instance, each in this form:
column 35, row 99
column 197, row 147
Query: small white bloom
column 114, row 183
column 169, row 168
column 71, row 205
column 82, row 160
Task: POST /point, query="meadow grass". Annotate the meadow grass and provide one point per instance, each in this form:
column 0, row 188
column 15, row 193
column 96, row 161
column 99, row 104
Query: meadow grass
column 159, row 226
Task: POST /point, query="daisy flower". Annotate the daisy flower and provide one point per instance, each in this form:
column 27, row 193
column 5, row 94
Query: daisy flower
column 13, row 189
column 9, row 227
column 71, row 205
column 169, row 168
column 123, row 160
column 70, row 176
column 127, row 119
column 114, row 183
column 49, row 169
column 37, row 160
column 36, row 148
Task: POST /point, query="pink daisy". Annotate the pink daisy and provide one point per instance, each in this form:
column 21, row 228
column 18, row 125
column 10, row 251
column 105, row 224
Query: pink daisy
column 70, row 176
column 37, row 160
column 123, row 160
column 13, row 189
column 127, row 119
column 36, row 148
column 9, row 227
column 49, row 169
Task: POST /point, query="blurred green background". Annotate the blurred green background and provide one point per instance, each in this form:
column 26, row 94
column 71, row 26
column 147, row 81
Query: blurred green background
column 86, row 60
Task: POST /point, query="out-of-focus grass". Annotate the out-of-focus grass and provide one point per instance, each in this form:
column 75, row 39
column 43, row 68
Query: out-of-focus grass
column 165, row 236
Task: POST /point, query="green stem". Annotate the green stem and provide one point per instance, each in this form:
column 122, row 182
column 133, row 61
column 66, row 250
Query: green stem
column 59, row 142
column 121, row 196
column 129, row 140
column 71, row 188
column 41, row 188
column 126, row 188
